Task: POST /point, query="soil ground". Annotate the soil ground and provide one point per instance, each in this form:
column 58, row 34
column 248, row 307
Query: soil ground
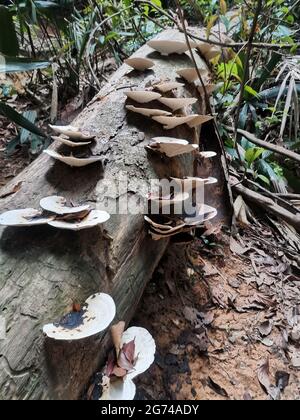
column 218, row 328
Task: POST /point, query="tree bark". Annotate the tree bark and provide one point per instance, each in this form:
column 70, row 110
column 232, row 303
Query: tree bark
column 42, row 269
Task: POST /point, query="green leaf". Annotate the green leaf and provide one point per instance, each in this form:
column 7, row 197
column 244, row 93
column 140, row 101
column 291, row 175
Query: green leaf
column 253, row 154
column 264, row 179
column 24, row 133
column 251, row 91
column 19, row 64
column 8, row 38
column 18, row 119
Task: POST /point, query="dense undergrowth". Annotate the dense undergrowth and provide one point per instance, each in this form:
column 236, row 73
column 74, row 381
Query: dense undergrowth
column 61, row 48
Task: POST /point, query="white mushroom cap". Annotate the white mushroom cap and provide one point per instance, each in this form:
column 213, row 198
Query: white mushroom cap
column 73, row 161
column 119, row 390
column 71, row 143
column 97, row 314
column 139, row 63
column 94, row 218
column 147, row 112
column 190, row 74
column 70, row 131
column 142, row 96
column 57, row 205
column 172, row 147
column 167, row 86
column 179, row 197
column 23, row 217
column 204, row 213
column 207, row 155
column 177, row 103
column 166, row 47
column 194, row 182
column 144, row 349
column 172, row 122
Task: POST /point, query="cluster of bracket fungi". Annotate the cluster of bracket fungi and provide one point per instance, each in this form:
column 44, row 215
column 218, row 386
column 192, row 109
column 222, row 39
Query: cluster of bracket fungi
column 134, row 349
column 162, row 225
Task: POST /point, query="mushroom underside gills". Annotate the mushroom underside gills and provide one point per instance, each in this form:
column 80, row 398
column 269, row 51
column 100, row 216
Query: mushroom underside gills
column 72, row 132
column 147, row 112
column 71, row 160
column 177, row 103
column 71, row 143
column 139, row 63
column 142, row 96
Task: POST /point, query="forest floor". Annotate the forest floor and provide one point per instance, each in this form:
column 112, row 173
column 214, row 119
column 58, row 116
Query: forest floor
column 225, row 314
column 226, row 323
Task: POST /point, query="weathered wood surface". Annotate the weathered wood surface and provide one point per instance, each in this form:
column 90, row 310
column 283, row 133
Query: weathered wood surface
column 42, row 270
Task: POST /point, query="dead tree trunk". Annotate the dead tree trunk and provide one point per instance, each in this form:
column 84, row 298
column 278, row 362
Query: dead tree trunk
column 42, row 270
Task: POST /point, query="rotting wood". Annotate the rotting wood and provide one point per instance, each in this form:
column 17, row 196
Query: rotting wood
column 42, row 270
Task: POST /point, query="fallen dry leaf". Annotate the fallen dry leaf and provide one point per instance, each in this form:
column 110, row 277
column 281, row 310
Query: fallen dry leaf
column 216, row 387
column 263, row 375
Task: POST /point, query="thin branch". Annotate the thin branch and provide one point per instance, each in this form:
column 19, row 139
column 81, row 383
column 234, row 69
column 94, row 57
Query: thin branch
column 266, row 145
column 266, row 45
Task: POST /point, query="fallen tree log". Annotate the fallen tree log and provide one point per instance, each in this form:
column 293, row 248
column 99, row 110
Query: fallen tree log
column 43, row 270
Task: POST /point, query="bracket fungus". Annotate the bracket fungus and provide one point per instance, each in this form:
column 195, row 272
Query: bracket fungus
column 190, row 183
column 166, row 47
column 57, row 205
column 191, row 120
column 165, row 87
column 177, row 103
column 171, row 147
column 142, row 96
column 72, row 132
column 139, row 63
column 191, row 74
column 132, row 355
column 71, row 143
column 24, row 217
column 169, row 200
column 207, row 155
column 203, row 214
column 148, row 112
column 95, row 316
column 92, row 219
column 71, row 160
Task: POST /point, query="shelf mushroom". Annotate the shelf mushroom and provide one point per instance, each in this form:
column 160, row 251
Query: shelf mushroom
column 92, row 219
column 191, row 74
column 190, row 182
column 203, row 214
column 24, row 217
column 56, row 204
column 177, row 103
column 207, row 155
column 171, row 147
column 95, row 316
column 166, row 47
column 142, row 96
column 191, row 120
column 71, row 143
column 71, row 160
column 147, row 112
column 133, row 355
column 139, row 63
column 165, row 87
column 74, row 133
